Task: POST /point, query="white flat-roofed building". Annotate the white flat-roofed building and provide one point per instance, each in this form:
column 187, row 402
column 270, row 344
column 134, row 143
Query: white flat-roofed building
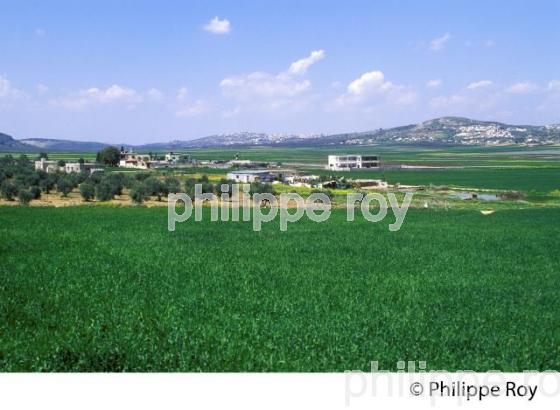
column 348, row 162
column 46, row 165
column 174, row 158
column 133, row 160
column 250, row 176
column 72, row 167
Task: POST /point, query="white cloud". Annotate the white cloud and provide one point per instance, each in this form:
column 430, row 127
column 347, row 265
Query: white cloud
column 42, row 89
column 182, row 93
column 434, row 83
column 300, row 66
column 263, row 86
column 231, row 113
column 270, row 91
column 39, row 32
column 476, row 97
column 554, row 85
column 7, row 91
column 525, row 87
column 438, row 43
column 217, row 26
column 197, row 108
column 154, row 94
column 448, row 101
column 5, row 87
column 113, row 93
column 372, row 87
column 489, row 43
column 99, row 96
column 479, row 84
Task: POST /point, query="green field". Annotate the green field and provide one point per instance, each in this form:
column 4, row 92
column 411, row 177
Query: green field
column 110, row 289
column 540, row 180
column 503, row 156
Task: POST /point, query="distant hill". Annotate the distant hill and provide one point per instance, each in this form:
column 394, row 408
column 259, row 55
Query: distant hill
column 46, row 144
column 8, row 143
column 455, row 131
column 235, row 139
column 439, row 131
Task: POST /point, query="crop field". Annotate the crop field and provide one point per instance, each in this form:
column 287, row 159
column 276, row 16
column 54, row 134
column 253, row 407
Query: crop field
column 504, row 156
column 110, row 289
column 540, row 180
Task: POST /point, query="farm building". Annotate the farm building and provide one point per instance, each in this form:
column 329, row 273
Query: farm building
column 247, row 163
column 69, row 167
column 131, row 159
column 173, row 158
column 370, row 183
column 249, row 176
column 301, row 180
column 46, row 165
column 348, row 162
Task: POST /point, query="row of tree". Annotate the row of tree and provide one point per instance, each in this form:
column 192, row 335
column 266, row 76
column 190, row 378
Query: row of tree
column 19, row 179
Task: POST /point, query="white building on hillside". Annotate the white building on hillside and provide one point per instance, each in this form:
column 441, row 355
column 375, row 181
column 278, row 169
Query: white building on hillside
column 348, row 162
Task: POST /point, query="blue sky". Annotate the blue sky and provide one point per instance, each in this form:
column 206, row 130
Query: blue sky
column 140, row 71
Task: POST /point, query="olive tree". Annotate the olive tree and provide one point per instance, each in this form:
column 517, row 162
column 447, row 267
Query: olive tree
column 87, row 191
column 139, row 192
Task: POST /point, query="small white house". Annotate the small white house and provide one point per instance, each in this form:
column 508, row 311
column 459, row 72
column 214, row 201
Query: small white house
column 134, row 160
column 46, row 165
column 249, row 176
column 173, row 158
column 70, row 167
column 348, row 162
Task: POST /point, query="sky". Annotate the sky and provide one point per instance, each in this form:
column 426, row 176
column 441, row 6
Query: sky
column 146, row 71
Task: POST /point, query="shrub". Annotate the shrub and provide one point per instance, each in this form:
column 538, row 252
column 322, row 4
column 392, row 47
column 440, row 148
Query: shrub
column 64, row 186
column 139, row 192
column 24, row 196
column 258, row 187
column 189, row 187
column 87, row 191
column 109, row 156
column 115, row 181
column 327, row 192
column 104, row 191
column 141, row 176
column 81, row 177
column 155, row 187
column 8, row 190
column 173, row 185
column 47, row 182
column 35, row 192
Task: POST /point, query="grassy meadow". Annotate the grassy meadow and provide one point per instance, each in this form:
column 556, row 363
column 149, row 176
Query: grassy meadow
column 103, row 286
column 534, row 179
column 110, row 289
